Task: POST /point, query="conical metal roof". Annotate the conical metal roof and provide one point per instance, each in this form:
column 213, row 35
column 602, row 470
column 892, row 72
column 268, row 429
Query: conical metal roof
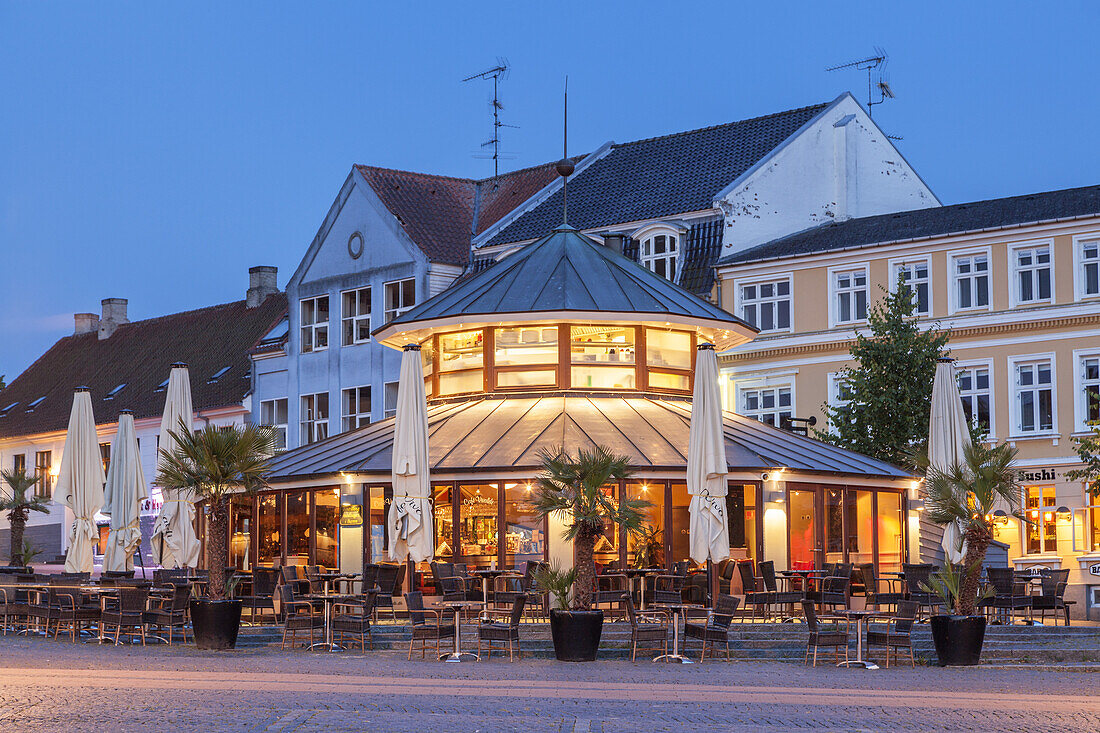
column 561, row 275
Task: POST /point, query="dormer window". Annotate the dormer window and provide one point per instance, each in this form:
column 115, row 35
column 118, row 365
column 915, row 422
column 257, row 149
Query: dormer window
column 115, row 391
column 658, row 253
column 217, row 375
column 36, row 403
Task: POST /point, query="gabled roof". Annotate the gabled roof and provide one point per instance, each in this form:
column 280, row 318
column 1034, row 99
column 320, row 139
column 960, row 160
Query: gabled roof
column 923, row 223
column 441, row 214
column 661, row 176
column 562, row 272
column 507, row 434
column 139, row 355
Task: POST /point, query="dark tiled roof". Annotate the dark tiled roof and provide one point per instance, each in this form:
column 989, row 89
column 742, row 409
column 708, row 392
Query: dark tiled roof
column 564, row 271
column 701, row 248
column 492, row 433
column 661, row 176
column 440, row 213
column 921, row 223
column 139, row 355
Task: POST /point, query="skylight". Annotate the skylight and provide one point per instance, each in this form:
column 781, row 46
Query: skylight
column 8, row 409
column 161, row 387
column 217, row 375
column 115, row 391
column 36, row 403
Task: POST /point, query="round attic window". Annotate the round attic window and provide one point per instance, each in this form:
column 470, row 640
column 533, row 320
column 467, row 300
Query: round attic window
column 355, row 245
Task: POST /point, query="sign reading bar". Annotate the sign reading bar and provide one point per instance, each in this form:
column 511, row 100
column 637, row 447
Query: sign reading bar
column 351, row 516
column 1094, row 569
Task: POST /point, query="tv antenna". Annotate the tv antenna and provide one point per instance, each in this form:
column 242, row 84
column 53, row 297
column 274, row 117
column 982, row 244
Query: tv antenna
column 497, row 73
column 870, row 65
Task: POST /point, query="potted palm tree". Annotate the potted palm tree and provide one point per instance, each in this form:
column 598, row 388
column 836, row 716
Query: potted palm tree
column 968, row 493
column 217, row 463
column 19, row 506
column 574, row 487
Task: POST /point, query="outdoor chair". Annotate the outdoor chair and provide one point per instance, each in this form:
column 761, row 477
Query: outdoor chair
column 117, row 574
column 610, row 588
column 165, row 576
column 715, row 628
column 390, row 578
column 64, row 605
column 873, row 597
column 781, row 598
column 894, row 632
column 668, row 589
column 262, row 594
column 833, row 591
column 369, row 578
column 726, row 570
column 1009, row 594
column 833, row 635
column 538, row 600
column 124, row 609
column 753, row 590
column 15, row 605
column 290, row 576
column 650, row 628
column 1051, row 596
column 298, row 616
column 423, row 629
column 503, row 632
column 168, row 610
column 506, row 589
column 917, row 577
column 352, row 618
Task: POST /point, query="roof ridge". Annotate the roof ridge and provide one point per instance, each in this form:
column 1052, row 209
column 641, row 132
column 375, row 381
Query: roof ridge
column 415, row 173
column 527, row 169
column 822, row 105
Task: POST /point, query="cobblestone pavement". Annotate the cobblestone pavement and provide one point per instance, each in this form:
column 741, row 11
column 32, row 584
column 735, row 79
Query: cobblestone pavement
column 58, row 686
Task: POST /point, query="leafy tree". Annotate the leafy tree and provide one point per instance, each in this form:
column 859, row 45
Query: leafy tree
column 19, row 506
column 217, row 463
column 890, row 386
column 573, row 486
column 3, row 384
column 1088, row 450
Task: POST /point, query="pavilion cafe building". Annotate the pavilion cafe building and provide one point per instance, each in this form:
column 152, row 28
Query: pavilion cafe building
column 568, row 343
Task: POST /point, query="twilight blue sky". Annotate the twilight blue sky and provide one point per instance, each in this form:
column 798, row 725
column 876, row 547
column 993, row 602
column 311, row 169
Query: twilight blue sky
column 155, row 151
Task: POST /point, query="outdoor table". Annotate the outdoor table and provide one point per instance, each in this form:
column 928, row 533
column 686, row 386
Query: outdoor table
column 859, row 616
column 329, row 599
column 676, row 609
column 490, row 574
column 642, row 574
column 458, row 607
column 806, row 575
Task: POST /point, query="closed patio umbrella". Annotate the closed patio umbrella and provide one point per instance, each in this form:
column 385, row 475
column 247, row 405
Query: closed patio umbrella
column 706, row 464
column 948, row 436
column 122, row 497
column 174, row 542
column 80, row 482
column 410, row 517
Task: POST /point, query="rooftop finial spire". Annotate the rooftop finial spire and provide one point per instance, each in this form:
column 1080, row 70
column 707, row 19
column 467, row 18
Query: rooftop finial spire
column 565, row 166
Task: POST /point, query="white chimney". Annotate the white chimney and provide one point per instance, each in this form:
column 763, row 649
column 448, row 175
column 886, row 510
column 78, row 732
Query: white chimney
column 85, row 323
column 114, row 315
column 263, row 280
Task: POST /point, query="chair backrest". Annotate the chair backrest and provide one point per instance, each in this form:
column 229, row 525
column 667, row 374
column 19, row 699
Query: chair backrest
column 132, row 599
column 867, row 575
column 117, row 574
column 289, row 574
column 810, row 613
column 725, row 606
column 906, row 616
column 916, row 575
column 767, row 573
column 387, row 577
column 748, row 580
column 181, row 596
column 414, row 601
column 681, row 567
column 518, row 603
column 369, row 597
column 631, row 614
column 264, row 581
column 451, row 587
column 1002, row 580
column 609, row 582
column 370, row 577
column 1054, row 583
column 668, row 589
column 76, row 576
column 842, row 570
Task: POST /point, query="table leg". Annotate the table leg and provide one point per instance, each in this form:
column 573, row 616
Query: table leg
column 457, row 654
column 859, row 661
column 641, row 592
column 675, row 656
column 485, row 590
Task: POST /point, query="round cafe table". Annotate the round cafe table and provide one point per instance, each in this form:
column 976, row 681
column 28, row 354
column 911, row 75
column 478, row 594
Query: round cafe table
column 860, row 616
column 458, row 607
column 642, row 574
column 329, row 599
column 488, row 575
column 677, row 610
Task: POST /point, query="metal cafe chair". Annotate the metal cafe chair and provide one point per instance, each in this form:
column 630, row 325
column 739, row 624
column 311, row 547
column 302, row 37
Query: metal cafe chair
column 753, row 590
column 1052, row 585
column 833, row 635
column 894, row 632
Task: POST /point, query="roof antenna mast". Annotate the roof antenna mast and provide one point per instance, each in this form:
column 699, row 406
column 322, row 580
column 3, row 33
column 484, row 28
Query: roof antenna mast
column 497, row 74
column 565, row 166
column 869, row 64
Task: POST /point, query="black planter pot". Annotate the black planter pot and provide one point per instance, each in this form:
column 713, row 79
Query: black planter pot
column 576, row 634
column 958, row 639
column 215, row 623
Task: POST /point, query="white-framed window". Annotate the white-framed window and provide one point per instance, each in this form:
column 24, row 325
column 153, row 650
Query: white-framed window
column 314, row 324
column 1086, row 276
column 400, row 295
column 1033, row 402
column 839, row 392
column 769, row 404
column 313, row 419
column 766, row 304
column 355, row 316
column 274, row 414
column 849, row 294
column 659, row 252
column 390, row 405
column 1086, row 389
column 1041, row 529
column 1032, row 274
column 356, row 408
column 915, row 274
column 969, row 280
column 976, row 390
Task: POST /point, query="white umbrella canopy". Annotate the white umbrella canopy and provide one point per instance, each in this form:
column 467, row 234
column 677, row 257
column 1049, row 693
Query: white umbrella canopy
column 706, row 464
column 411, row 532
column 122, row 497
column 175, row 544
column 80, row 482
column 948, row 436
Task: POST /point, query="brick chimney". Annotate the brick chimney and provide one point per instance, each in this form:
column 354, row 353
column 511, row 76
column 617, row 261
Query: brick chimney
column 114, row 315
column 263, row 280
column 85, row 323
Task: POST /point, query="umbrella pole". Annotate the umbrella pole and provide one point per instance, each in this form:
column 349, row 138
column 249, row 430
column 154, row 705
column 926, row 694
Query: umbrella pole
column 712, row 591
column 141, row 561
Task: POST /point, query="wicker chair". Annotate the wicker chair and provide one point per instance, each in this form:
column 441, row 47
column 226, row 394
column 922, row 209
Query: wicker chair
column 169, row 611
column 15, row 606
column 390, row 578
column 917, row 576
column 298, row 616
column 1009, row 594
column 424, row 630
column 610, row 588
column 753, row 590
column 834, row 587
column 125, row 609
column 369, row 579
column 873, row 597
column 668, row 589
column 895, row 632
column 289, row 575
column 822, row 635
column 1051, row 597
column 352, row 618
column 784, row 598
column 490, row 631
column 262, row 594
column 65, row 605
column 715, row 628
column 650, row 628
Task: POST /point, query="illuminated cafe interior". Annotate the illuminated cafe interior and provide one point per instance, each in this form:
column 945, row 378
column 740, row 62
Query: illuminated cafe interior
column 568, row 343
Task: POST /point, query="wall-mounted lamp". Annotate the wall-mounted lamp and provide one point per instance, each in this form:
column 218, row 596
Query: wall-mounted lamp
column 1000, row 517
column 916, row 505
column 1062, row 511
column 777, row 496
